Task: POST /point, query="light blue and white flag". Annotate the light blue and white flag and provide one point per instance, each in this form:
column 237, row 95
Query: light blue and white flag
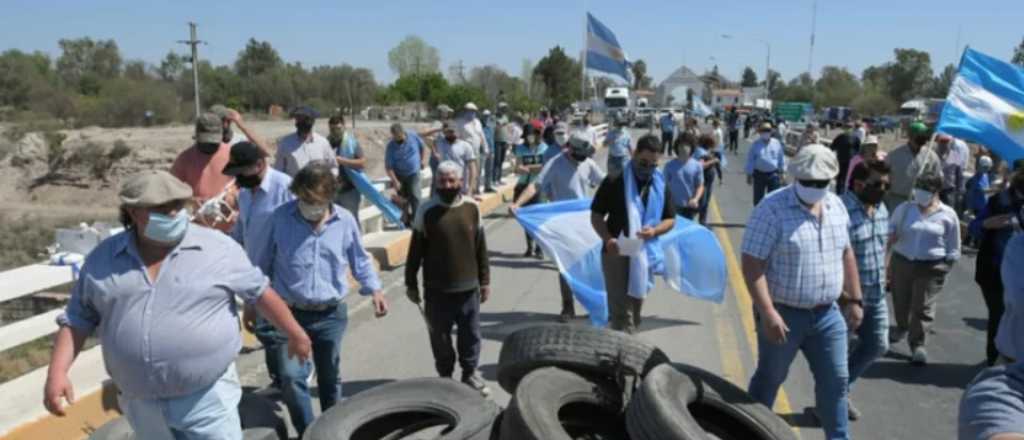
column 986, row 105
column 694, row 263
column 604, row 53
column 700, row 109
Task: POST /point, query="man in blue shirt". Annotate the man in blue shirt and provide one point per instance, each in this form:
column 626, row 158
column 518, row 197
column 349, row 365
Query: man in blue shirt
column 313, row 243
column 561, row 141
column 161, row 295
column 263, row 189
column 668, row 131
column 405, row 156
column 619, row 145
column 766, row 163
column 684, row 176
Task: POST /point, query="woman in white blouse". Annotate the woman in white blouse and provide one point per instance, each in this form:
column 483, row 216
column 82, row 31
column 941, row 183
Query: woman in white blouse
column 924, row 242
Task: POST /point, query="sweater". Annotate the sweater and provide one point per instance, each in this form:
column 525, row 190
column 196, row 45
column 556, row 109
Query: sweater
column 448, row 242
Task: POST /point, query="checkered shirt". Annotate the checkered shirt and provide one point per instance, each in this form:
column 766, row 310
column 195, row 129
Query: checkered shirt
column 868, row 236
column 804, row 255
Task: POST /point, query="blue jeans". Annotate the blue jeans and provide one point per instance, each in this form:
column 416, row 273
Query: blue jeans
column 325, row 330
column 271, row 339
column 765, row 183
column 821, row 335
column 410, row 190
column 208, row 414
column 615, row 164
column 872, row 335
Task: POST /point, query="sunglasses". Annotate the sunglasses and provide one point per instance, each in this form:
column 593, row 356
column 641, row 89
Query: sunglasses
column 878, row 184
column 820, row 184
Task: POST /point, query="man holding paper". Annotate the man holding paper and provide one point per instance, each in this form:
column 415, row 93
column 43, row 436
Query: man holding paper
column 630, row 211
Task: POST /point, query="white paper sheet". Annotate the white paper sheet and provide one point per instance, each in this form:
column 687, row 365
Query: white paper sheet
column 629, row 247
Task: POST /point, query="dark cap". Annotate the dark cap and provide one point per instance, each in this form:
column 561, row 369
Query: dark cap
column 305, row 110
column 209, row 129
column 243, row 156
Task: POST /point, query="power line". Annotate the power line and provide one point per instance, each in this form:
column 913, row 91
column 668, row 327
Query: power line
column 194, row 43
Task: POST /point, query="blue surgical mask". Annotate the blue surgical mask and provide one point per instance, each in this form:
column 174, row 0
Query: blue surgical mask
column 166, row 229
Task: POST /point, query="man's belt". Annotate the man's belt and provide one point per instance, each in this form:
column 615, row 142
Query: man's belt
column 314, row 307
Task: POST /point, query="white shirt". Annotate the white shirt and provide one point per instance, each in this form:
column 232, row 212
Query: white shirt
column 472, row 131
column 719, row 137
column 860, row 134
column 293, row 153
column 460, row 152
column 935, row 236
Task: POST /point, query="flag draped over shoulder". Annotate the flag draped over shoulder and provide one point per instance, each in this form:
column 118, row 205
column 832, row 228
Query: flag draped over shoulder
column 694, row 263
column 986, row 105
column 604, row 53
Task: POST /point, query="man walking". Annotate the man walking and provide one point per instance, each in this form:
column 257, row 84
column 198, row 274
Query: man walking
column 349, row 158
column 619, row 145
column 404, row 158
column 298, row 149
column 766, row 162
column 488, row 171
column 200, row 167
column 668, row 131
column 502, row 141
column 797, row 262
column 312, row 246
column 469, row 129
column 162, row 296
column 262, row 190
column 685, row 178
column 733, row 120
column 449, row 146
column 844, row 146
column 449, row 243
column 634, row 205
column 869, row 233
column 909, row 161
column 566, row 177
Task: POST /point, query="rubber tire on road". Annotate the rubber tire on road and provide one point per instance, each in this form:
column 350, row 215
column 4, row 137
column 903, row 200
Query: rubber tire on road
column 658, row 410
column 405, row 407
column 583, row 349
column 555, row 404
column 728, row 412
column 257, row 413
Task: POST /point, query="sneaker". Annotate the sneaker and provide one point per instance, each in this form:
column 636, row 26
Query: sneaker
column 475, row 382
column 851, row 411
column 920, row 357
column 565, row 317
column 897, row 335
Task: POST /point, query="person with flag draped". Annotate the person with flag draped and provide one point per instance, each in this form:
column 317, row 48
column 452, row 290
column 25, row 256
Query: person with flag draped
column 629, row 207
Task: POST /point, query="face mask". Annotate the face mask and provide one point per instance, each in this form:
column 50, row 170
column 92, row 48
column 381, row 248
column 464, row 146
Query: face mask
column 451, row 139
column 870, row 195
column 303, row 127
column 166, row 229
column 586, row 121
column 531, row 139
column 922, row 197
column 921, row 141
column 448, row 195
column 810, row 195
column 765, row 136
column 561, row 138
column 643, row 173
column 248, row 181
column 578, row 157
column 208, row 148
column 227, row 136
column 312, row 212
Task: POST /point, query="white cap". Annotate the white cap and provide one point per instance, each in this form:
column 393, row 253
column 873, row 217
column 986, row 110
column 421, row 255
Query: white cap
column 470, row 106
column 487, row 112
column 985, row 162
column 814, row 162
column 871, row 139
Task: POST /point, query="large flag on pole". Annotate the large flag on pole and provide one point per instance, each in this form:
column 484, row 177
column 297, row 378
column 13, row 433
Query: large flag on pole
column 694, row 260
column 604, row 53
column 986, row 105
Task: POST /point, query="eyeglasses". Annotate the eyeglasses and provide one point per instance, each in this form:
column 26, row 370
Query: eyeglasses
column 815, row 183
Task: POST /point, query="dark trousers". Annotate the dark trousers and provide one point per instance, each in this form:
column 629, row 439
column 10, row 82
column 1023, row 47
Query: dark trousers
column 500, row 148
column 410, row 190
column 994, row 303
column 623, row 309
column 734, row 140
column 461, row 309
column 568, row 306
column 325, row 329
column 765, row 183
column 705, row 200
column 536, row 198
column 844, row 167
column 687, row 212
column 666, row 142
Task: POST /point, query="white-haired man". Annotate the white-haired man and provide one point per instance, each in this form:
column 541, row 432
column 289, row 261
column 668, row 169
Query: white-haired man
column 455, row 281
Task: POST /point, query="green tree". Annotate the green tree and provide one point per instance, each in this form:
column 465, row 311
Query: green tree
column 431, row 88
column 458, row 95
column 1018, row 54
column 84, row 63
column 836, row 87
column 910, row 75
column 137, row 70
column 874, row 101
column 492, row 80
column 942, row 83
column 414, row 56
column 749, row 78
column 773, row 82
column 640, row 79
column 21, row 75
column 560, row 76
column 172, row 67
column 257, row 58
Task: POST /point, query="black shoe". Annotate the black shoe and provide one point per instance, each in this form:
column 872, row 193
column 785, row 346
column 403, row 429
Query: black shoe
column 489, row 190
column 528, row 253
column 475, row 382
column 566, row 316
column 539, row 254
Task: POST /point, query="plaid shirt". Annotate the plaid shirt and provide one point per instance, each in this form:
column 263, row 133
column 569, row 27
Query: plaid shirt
column 868, row 236
column 804, row 255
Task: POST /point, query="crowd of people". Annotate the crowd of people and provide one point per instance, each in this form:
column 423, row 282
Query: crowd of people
column 820, row 255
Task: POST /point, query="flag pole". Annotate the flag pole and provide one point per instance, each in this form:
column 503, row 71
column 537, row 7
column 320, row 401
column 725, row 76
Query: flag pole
column 583, row 64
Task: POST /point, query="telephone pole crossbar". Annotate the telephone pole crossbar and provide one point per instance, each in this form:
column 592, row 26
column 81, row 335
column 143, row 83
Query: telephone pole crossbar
column 194, row 43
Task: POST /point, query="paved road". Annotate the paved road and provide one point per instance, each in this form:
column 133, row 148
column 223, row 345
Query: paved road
column 898, row 401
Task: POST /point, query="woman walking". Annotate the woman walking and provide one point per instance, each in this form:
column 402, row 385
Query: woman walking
column 924, row 243
column 528, row 161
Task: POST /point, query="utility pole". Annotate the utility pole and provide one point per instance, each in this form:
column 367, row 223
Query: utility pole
column 194, row 43
column 814, row 25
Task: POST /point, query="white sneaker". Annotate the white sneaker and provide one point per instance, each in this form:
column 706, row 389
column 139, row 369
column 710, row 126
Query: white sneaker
column 920, row 357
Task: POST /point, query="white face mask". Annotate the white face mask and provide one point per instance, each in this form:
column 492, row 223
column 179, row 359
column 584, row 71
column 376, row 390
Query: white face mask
column 922, row 197
column 561, row 138
column 765, row 136
column 810, row 195
column 531, row 139
column 311, row 212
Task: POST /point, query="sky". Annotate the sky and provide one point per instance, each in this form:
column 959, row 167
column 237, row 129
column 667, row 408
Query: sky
column 665, row 34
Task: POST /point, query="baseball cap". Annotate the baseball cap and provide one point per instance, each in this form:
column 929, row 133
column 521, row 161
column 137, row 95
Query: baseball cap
column 243, row 156
column 814, row 162
column 918, row 128
column 153, row 188
column 765, row 126
column 561, row 127
column 579, row 143
column 305, row 110
column 220, row 110
column 870, row 140
column 470, row 106
column 209, row 129
column 943, row 137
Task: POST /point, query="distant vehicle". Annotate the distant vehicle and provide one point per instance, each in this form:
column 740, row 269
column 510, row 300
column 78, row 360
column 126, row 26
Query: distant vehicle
column 836, row 116
column 882, row 124
column 927, row 110
column 644, row 118
column 618, row 100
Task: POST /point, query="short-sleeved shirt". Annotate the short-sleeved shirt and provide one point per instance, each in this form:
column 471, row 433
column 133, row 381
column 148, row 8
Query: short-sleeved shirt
column 868, row 237
column 460, row 152
column 610, row 201
column 683, row 179
column 255, row 206
column 565, row 179
column 552, row 152
column 203, row 172
column 804, row 254
column 906, row 167
column 993, row 403
column 172, row 335
column 526, row 155
column 618, row 143
column 931, row 237
column 404, row 158
column 667, row 122
column 349, row 148
column 1011, row 327
column 294, row 153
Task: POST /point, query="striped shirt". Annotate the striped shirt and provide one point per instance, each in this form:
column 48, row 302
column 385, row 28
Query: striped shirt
column 804, row 254
column 868, row 236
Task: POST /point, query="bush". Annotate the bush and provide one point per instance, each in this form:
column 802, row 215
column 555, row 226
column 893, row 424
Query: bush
column 124, row 102
column 120, row 151
column 97, row 161
column 55, row 149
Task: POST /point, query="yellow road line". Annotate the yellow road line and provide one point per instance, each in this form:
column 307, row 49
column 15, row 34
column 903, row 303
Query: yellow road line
column 745, row 306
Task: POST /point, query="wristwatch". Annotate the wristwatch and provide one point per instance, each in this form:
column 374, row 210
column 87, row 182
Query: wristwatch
column 858, row 301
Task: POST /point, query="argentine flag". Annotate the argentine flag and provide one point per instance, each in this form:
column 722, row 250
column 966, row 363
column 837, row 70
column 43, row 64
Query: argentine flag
column 694, row 260
column 986, row 105
column 604, row 53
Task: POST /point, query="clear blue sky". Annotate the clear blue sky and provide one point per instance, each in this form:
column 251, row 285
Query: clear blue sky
column 665, row 33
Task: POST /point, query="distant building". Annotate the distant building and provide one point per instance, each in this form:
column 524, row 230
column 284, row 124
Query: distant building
column 722, row 99
column 751, row 95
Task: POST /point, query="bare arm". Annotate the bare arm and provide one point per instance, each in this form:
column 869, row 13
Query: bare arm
column 753, row 274
column 274, row 309
column 355, row 164
column 395, row 183
column 665, row 226
column 600, row 227
column 698, row 194
column 67, row 343
column 526, row 195
column 474, row 172
column 255, row 139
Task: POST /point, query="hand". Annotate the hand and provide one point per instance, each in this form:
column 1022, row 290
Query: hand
column 774, row 327
column 513, row 209
column 854, row 314
column 693, row 203
column 234, row 116
column 413, row 294
column 423, row 165
column 647, row 233
column 396, row 184
column 612, row 246
column 380, row 305
column 750, row 180
column 57, row 387
column 485, row 292
column 478, row 197
column 299, row 347
column 249, row 316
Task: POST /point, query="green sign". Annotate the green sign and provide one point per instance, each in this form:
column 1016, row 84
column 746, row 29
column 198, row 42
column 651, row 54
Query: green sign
column 791, row 111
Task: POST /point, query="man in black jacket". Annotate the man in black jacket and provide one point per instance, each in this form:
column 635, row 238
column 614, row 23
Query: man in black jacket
column 845, row 146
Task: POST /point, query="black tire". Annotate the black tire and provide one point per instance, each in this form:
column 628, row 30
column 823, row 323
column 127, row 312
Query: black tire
column 258, row 415
column 555, row 404
column 583, row 349
column 729, row 412
column 403, row 407
column 659, row 409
